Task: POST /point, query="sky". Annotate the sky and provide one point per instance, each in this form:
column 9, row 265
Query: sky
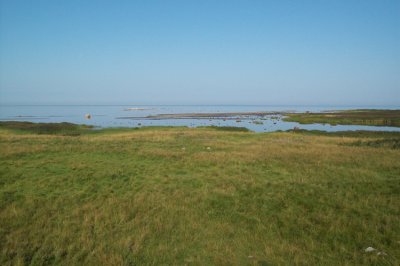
column 200, row 52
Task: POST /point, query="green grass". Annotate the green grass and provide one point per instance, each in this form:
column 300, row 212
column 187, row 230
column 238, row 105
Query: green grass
column 368, row 117
column 64, row 128
column 228, row 128
column 390, row 143
column 160, row 196
column 349, row 134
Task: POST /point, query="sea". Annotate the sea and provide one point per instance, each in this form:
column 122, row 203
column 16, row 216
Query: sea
column 134, row 115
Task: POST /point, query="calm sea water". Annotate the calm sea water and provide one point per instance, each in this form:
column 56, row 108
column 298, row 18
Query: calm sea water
column 110, row 116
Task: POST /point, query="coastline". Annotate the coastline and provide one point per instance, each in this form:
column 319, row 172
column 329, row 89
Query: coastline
column 203, row 115
column 362, row 117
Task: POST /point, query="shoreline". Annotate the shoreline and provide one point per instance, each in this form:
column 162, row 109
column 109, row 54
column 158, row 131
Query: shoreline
column 232, row 115
column 362, row 117
column 66, row 128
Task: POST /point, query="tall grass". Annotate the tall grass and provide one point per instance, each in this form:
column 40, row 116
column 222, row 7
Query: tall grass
column 201, row 196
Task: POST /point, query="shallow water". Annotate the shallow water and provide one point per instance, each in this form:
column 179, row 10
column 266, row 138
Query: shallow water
column 110, row 116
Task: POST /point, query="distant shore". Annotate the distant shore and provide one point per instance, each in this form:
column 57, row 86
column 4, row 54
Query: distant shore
column 370, row 117
column 204, row 115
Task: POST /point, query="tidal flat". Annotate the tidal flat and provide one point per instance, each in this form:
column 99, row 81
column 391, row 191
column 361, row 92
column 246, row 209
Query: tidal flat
column 360, row 119
column 72, row 195
column 255, row 118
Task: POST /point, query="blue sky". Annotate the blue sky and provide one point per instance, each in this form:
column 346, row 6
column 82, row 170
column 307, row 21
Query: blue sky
column 200, row 52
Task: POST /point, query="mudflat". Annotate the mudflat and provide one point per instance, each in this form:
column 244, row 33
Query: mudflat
column 204, row 115
column 369, row 117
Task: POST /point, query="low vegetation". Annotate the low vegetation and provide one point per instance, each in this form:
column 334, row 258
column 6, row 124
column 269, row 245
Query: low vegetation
column 184, row 196
column 227, row 128
column 46, row 128
column 389, row 143
column 368, row 117
column 354, row 134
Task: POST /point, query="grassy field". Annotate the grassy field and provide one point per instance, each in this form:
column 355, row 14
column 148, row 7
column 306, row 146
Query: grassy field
column 351, row 117
column 205, row 196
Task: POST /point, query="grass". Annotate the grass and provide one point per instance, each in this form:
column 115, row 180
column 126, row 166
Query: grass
column 368, row 117
column 67, row 129
column 390, row 143
column 228, row 128
column 159, row 196
column 350, row 134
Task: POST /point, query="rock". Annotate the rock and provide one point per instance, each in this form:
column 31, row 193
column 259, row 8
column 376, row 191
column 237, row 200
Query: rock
column 370, row 249
column 88, row 116
column 208, row 148
column 381, row 253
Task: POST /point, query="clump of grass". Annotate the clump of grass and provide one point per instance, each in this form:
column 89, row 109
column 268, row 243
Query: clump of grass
column 385, row 143
column 228, row 128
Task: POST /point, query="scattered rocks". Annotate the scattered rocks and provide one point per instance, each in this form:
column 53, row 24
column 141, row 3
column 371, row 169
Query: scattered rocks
column 370, row 249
